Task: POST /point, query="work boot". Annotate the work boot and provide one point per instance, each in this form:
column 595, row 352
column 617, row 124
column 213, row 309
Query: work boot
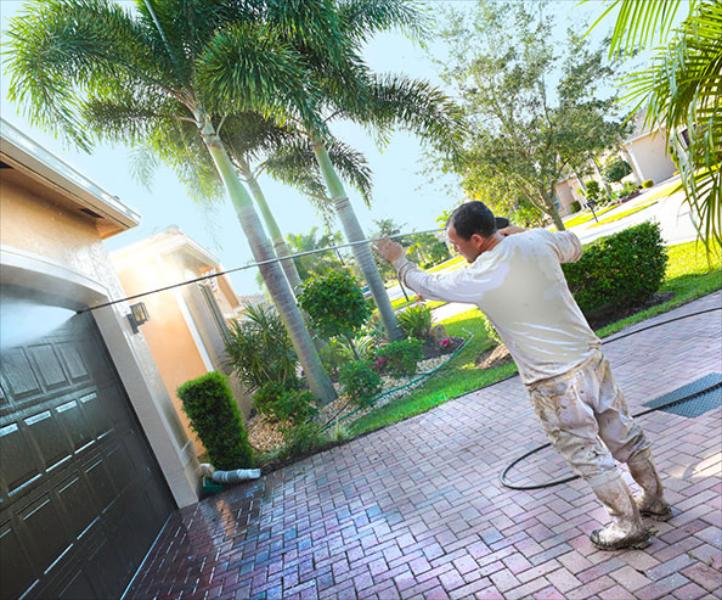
column 650, row 502
column 626, row 529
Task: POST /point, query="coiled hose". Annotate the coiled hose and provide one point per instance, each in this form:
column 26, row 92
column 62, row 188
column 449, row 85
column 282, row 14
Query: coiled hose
column 538, row 486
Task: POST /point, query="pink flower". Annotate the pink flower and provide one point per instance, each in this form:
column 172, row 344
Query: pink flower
column 380, row 363
column 445, row 343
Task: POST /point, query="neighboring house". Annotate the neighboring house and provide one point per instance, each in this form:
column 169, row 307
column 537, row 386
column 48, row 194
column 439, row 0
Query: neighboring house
column 646, row 152
column 188, row 324
column 94, row 459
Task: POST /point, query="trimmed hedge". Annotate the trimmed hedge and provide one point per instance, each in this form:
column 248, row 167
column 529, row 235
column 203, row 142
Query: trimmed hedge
column 208, row 402
column 648, row 183
column 618, row 272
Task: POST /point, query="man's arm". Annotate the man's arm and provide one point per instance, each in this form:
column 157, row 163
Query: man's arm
column 462, row 285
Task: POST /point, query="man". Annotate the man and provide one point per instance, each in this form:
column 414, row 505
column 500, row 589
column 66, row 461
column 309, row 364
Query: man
column 516, row 278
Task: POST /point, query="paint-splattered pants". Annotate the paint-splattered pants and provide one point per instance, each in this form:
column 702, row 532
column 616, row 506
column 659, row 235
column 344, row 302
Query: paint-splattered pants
column 587, row 420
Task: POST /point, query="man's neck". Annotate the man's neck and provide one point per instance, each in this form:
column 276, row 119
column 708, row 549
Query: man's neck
column 492, row 242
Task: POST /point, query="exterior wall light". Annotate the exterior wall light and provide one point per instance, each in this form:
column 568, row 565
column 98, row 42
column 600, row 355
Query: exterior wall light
column 138, row 315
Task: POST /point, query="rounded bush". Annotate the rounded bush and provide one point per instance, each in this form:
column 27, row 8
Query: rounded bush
column 214, row 416
column 618, row 272
column 648, row 183
column 575, row 206
column 617, row 170
column 400, row 358
column 360, row 382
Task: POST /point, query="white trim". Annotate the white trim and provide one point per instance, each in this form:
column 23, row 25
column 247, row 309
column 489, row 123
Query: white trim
column 195, row 334
column 27, row 153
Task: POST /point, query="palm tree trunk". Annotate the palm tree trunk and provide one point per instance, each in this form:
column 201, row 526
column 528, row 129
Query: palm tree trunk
column 317, row 378
column 354, row 233
column 279, row 244
column 607, row 189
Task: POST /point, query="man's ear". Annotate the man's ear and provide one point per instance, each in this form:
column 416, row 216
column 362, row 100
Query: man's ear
column 478, row 239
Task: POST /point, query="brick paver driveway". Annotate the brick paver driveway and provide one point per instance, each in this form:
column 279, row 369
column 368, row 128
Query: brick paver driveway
column 416, row 510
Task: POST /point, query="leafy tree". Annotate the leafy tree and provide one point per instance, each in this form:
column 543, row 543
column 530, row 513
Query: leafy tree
column 426, row 249
column 89, row 69
column 315, row 264
column 617, row 170
column 336, row 305
column 680, row 90
column 524, row 132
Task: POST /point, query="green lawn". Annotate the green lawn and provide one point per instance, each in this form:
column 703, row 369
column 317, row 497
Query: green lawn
column 689, row 276
column 626, row 213
column 586, row 216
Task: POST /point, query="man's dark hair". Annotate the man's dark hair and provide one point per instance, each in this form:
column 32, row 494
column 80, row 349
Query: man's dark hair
column 472, row 217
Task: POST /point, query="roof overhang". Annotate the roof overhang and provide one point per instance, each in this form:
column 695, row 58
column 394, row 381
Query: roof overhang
column 36, row 167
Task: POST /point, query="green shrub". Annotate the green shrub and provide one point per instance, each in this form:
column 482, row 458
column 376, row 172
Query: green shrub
column 575, row 206
column 334, row 355
column 360, row 382
column 617, row 170
column 259, row 349
column 592, row 192
column 335, row 303
column 280, row 403
column 301, row 439
column 400, row 358
column 618, row 272
column 627, row 188
column 415, row 321
column 296, row 406
column 491, row 332
column 209, row 404
column 648, row 183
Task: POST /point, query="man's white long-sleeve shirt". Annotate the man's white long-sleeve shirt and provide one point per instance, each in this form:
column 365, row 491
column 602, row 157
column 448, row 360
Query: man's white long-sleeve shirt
column 520, row 286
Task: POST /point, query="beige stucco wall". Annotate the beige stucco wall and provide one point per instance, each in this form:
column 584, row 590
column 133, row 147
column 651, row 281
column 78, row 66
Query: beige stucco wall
column 649, row 157
column 30, row 223
column 173, row 347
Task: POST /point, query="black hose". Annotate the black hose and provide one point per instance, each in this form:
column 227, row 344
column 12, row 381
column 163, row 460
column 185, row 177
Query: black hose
column 538, row 486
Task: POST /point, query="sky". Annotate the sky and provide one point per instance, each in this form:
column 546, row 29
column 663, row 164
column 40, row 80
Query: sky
column 404, row 190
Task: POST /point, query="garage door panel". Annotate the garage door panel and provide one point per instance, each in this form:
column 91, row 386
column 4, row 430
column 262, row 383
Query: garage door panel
column 48, row 365
column 44, row 530
column 78, row 505
column 16, row 571
column 73, row 362
column 70, row 415
column 101, row 484
column 80, row 588
column 20, row 380
column 97, row 419
column 20, row 464
column 49, row 438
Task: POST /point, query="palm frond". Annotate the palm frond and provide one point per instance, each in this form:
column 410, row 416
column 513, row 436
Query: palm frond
column 250, row 68
column 61, row 50
column 680, row 92
column 361, row 19
column 640, row 24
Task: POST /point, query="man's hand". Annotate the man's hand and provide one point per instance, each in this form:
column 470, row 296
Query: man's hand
column 511, row 230
column 389, row 250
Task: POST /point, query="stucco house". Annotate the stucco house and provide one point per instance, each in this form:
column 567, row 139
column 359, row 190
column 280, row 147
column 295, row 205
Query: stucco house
column 188, row 324
column 646, row 152
column 94, row 458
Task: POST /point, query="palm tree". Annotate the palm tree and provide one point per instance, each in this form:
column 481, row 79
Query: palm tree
column 87, row 69
column 680, row 90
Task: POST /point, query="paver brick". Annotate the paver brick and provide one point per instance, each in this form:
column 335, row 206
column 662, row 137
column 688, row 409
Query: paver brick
column 415, row 510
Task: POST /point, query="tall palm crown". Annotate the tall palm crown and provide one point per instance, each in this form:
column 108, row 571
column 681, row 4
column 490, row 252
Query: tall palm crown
column 88, row 70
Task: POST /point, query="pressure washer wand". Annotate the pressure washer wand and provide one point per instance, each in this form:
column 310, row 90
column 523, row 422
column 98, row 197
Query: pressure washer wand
column 257, row 264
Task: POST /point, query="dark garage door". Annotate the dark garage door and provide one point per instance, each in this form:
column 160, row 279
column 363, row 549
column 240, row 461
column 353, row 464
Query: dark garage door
column 81, row 495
